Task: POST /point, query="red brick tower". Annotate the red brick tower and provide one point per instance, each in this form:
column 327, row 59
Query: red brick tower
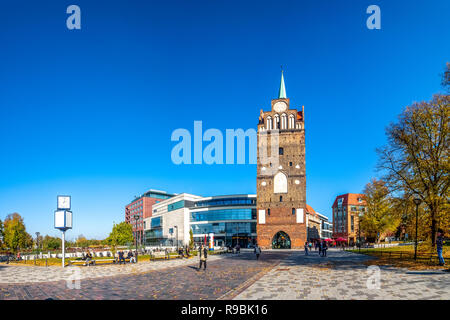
column 281, row 181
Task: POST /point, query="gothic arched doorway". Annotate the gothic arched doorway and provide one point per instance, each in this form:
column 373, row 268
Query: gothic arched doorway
column 281, row 241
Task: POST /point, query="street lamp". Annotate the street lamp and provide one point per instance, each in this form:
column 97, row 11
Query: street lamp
column 359, row 233
column 176, row 236
column 37, row 239
column 136, row 218
column 417, row 201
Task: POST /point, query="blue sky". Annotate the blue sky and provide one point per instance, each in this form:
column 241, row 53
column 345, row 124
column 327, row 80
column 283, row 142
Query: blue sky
column 90, row 112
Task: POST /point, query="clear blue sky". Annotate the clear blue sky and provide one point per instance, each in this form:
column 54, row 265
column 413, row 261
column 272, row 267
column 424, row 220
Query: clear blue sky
column 90, row 112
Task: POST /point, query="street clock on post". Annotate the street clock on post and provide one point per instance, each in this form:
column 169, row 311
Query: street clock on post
column 63, row 220
column 63, row 203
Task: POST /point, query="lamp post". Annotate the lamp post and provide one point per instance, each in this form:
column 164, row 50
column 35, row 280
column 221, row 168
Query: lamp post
column 37, row 239
column 136, row 218
column 417, row 201
column 176, row 235
column 359, row 236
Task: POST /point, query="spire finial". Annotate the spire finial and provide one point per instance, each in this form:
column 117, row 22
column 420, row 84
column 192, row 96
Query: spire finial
column 282, row 92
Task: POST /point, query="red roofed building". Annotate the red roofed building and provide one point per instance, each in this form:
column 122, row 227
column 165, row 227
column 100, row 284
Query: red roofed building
column 346, row 210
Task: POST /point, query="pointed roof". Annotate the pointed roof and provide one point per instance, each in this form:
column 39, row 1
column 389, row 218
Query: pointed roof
column 282, row 92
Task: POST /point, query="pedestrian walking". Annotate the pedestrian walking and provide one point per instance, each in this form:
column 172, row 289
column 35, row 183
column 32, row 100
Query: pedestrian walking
column 306, row 248
column 439, row 246
column 203, row 255
column 324, row 249
column 320, row 248
column 257, row 252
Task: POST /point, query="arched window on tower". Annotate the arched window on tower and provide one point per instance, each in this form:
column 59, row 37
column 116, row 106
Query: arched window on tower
column 284, row 121
column 291, row 122
column 277, row 122
column 269, row 123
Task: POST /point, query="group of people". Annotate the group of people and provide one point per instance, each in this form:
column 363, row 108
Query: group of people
column 322, row 246
column 184, row 252
column 87, row 257
column 131, row 256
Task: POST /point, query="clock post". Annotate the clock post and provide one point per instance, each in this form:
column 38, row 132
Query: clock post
column 63, row 220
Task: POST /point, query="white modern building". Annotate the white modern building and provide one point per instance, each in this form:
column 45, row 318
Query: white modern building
column 169, row 222
column 227, row 220
column 326, row 227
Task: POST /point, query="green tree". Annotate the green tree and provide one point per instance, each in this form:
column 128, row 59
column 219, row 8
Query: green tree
column 51, row 243
column 191, row 239
column 15, row 234
column 379, row 217
column 121, row 234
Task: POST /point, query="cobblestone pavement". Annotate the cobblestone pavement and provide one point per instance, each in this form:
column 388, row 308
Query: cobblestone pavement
column 176, row 279
column 343, row 276
column 24, row 274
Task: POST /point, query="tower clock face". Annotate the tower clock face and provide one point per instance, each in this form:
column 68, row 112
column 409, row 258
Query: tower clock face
column 280, row 106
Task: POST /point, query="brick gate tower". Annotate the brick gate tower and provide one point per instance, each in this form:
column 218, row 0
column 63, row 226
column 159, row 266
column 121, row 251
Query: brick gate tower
column 281, row 181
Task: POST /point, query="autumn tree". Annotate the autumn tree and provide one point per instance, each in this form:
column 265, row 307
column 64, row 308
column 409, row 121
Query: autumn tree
column 82, row 242
column 446, row 78
column 415, row 160
column 1, row 234
column 379, row 216
column 15, row 234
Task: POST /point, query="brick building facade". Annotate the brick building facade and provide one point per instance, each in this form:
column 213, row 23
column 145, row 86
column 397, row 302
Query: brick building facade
column 281, row 180
column 346, row 211
column 141, row 207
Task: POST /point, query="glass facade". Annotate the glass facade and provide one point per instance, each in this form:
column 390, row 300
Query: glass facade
column 156, row 222
column 158, row 195
column 175, row 206
column 153, row 234
column 226, row 202
column 229, row 228
column 224, row 214
column 222, row 222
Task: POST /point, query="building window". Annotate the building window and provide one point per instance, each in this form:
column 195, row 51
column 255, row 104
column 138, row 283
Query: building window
column 290, row 164
column 280, row 151
column 283, row 121
column 281, row 198
column 269, row 123
column 293, row 211
column 268, row 212
column 291, row 122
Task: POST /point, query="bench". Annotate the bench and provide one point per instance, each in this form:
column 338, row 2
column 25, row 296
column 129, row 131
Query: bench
column 92, row 262
column 126, row 260
column 158, row 255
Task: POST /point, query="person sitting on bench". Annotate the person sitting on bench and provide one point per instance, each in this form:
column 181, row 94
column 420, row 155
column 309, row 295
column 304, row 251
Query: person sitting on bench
column 88, row 259
column 121, row 257
column 132, row 257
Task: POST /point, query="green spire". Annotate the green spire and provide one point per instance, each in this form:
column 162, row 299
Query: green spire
column 282, row 92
